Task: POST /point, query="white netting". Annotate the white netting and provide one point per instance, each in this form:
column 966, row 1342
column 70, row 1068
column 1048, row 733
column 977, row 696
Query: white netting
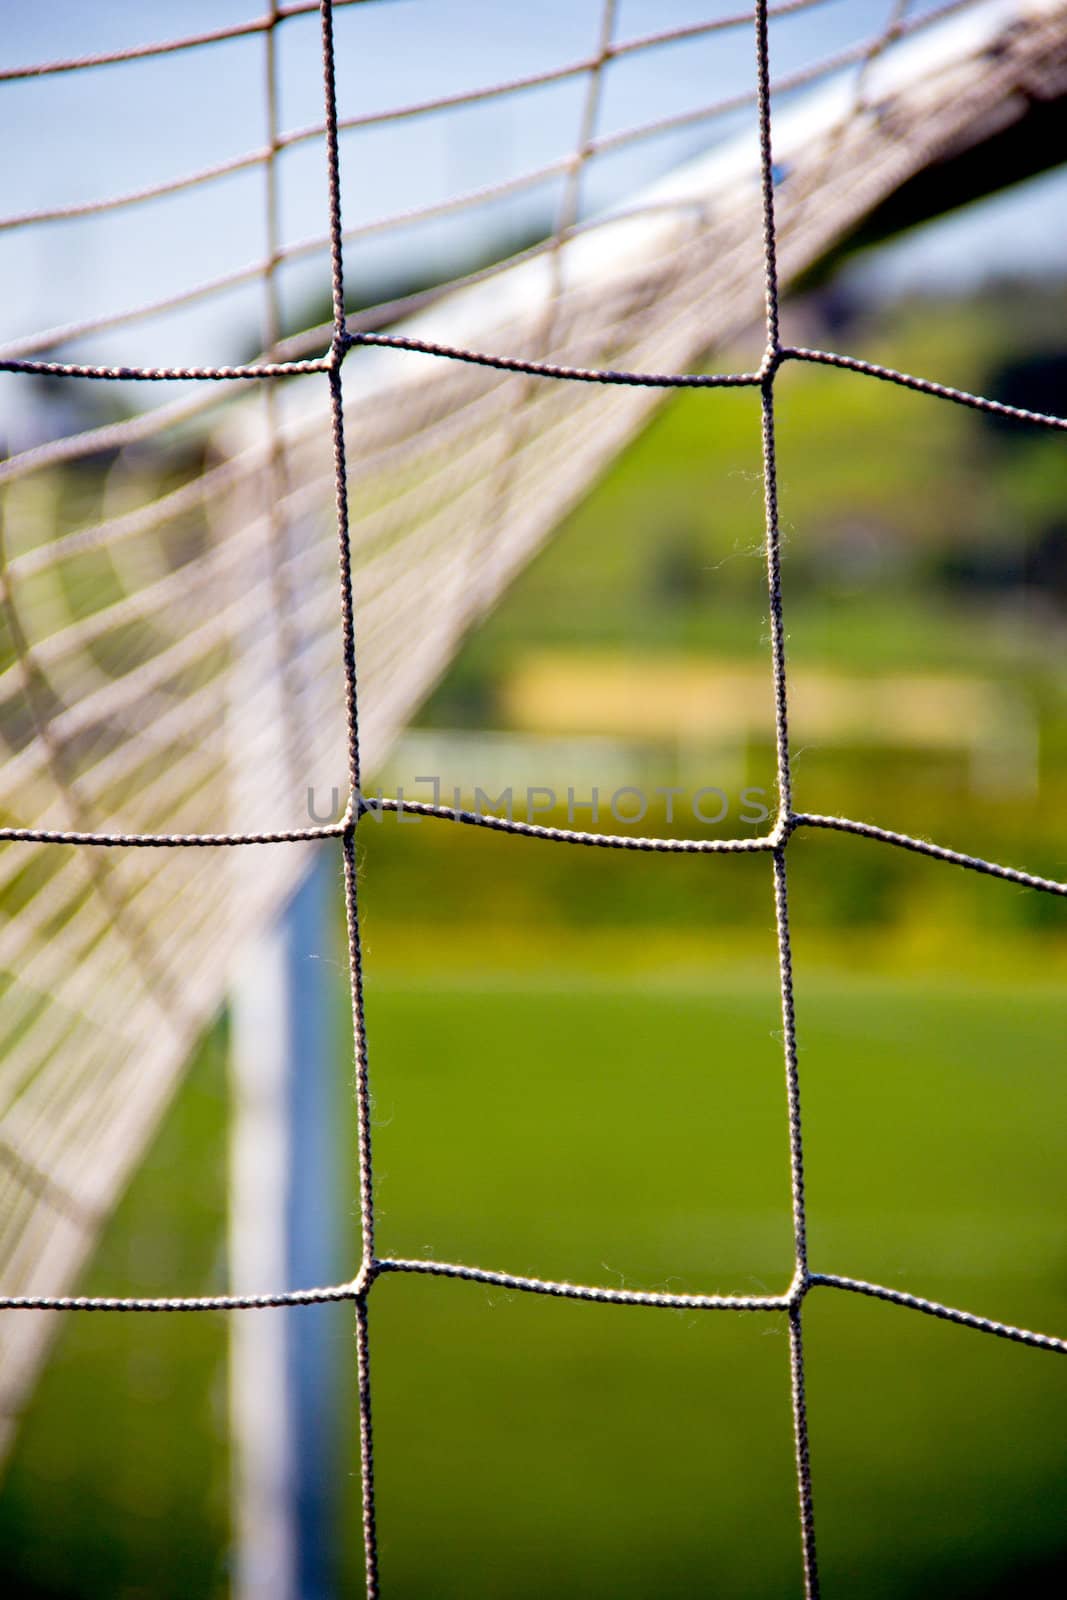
column 177, row 666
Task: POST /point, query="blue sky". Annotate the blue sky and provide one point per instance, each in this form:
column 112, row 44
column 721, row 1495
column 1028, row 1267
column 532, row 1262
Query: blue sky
column 80, row 136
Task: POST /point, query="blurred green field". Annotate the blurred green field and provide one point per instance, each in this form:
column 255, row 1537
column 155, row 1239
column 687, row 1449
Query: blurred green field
column 577, row 1072
column 638, row 1138
column 883, row 493
column 625, row 1131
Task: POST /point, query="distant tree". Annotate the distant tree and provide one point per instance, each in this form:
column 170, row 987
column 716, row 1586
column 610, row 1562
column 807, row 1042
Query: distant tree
column 1035, row 382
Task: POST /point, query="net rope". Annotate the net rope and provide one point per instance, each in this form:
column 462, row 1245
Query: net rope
column 67, row 765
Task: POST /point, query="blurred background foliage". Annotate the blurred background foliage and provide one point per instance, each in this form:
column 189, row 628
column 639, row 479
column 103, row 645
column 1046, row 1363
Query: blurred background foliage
column 576, row 1055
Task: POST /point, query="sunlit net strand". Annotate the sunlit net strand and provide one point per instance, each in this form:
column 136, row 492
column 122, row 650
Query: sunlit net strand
column 127, row 1114
column 165, row 47
column 811, row 1579
column 143, row 959
column 145, row 426
column 545, row 369
column 111, row 435
column 122, row 764
column 190, row 718
column 101, row 693
column 160, row 798
column 302, row 249
column 141, row 604
column 98, row 1115
column 61, row 836
column 102, row 1121
column 242, row 276
column 119, row 526
column 103, row 1113
column 559, row 471
column 488, row 527
column 64, row 1240
column 558, row 1289
column 123, row 752
column 144, row 1109
column 775, row 843
column 48, row 1108
column 536, row 177
column 285, row 12
column 151, row 895
column 374, row 119
column 50, row 1114
column 58, row 1237
column 533, row 830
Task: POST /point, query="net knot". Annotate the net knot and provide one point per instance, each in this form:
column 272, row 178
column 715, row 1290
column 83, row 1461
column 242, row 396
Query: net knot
column 784, row 827
column 773, row 357
column 798, row 1289
column 361, row 1283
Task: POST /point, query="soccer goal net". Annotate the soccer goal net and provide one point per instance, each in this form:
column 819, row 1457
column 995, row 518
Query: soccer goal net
column 183, row 657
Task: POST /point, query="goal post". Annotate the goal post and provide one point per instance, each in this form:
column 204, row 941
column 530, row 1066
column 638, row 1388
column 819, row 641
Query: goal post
column 284, row 1230
column 185, row 681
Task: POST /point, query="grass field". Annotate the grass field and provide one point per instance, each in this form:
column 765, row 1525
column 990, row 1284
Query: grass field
column 629, row 1132
column 577, row 1072
column 882, row 493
